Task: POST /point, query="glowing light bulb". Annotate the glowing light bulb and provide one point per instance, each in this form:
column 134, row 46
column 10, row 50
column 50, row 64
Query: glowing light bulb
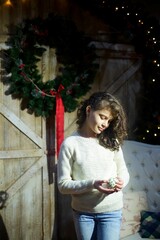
column 8, row 3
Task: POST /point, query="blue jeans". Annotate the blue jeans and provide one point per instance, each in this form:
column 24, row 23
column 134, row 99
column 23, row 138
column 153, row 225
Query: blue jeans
column 97, row 226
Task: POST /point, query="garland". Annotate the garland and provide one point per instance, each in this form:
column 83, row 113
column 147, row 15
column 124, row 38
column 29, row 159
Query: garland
column 74, row 55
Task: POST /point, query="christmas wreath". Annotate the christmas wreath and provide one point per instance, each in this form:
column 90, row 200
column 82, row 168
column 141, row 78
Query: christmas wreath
column 73, row 53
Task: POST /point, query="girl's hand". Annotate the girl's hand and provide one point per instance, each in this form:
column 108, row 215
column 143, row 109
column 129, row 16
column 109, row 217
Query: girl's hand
column 119, row 184
column 101, row 185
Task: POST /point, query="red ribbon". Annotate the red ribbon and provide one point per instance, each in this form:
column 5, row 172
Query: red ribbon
column 59, row 119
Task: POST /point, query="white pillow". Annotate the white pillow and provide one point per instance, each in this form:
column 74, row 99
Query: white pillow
column 134, row 203
column 136, row 236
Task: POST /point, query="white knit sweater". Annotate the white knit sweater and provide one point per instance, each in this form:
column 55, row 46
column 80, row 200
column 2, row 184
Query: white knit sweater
column 82, row 161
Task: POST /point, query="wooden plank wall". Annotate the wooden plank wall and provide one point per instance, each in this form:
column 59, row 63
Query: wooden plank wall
column 29, row 211
column 22, row 9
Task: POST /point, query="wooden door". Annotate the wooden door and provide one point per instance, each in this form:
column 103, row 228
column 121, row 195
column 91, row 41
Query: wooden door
column 29, row 211
column 120, row 74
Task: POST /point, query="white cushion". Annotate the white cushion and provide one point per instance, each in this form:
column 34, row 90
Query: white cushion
column 135, row 236
column 143, row 162
column 134, row 203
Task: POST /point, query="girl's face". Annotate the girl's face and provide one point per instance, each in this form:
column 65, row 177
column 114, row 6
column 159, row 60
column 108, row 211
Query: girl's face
column 97, row 121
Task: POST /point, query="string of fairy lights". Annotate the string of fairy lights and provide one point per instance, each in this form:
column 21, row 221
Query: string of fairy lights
column 136, row 26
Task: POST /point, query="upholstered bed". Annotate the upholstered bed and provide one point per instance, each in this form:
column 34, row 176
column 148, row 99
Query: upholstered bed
column 141, row 212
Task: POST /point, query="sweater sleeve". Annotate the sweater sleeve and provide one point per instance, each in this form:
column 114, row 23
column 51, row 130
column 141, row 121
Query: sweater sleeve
column 66, row 184
column 122, row 171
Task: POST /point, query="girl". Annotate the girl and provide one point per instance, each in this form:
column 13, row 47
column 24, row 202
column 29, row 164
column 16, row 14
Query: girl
column 92, row 169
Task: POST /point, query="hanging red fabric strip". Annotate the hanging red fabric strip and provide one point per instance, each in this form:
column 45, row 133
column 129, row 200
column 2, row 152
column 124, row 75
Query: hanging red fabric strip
column 59, row 119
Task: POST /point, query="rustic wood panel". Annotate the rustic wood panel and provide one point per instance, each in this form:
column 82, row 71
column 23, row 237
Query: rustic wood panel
column 10, row 16
column 29, row 212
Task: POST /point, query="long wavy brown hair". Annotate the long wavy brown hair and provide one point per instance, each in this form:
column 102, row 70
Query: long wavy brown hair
column 113, row 136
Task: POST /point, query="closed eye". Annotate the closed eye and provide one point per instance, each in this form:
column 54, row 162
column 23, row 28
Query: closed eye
column 103, row 117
